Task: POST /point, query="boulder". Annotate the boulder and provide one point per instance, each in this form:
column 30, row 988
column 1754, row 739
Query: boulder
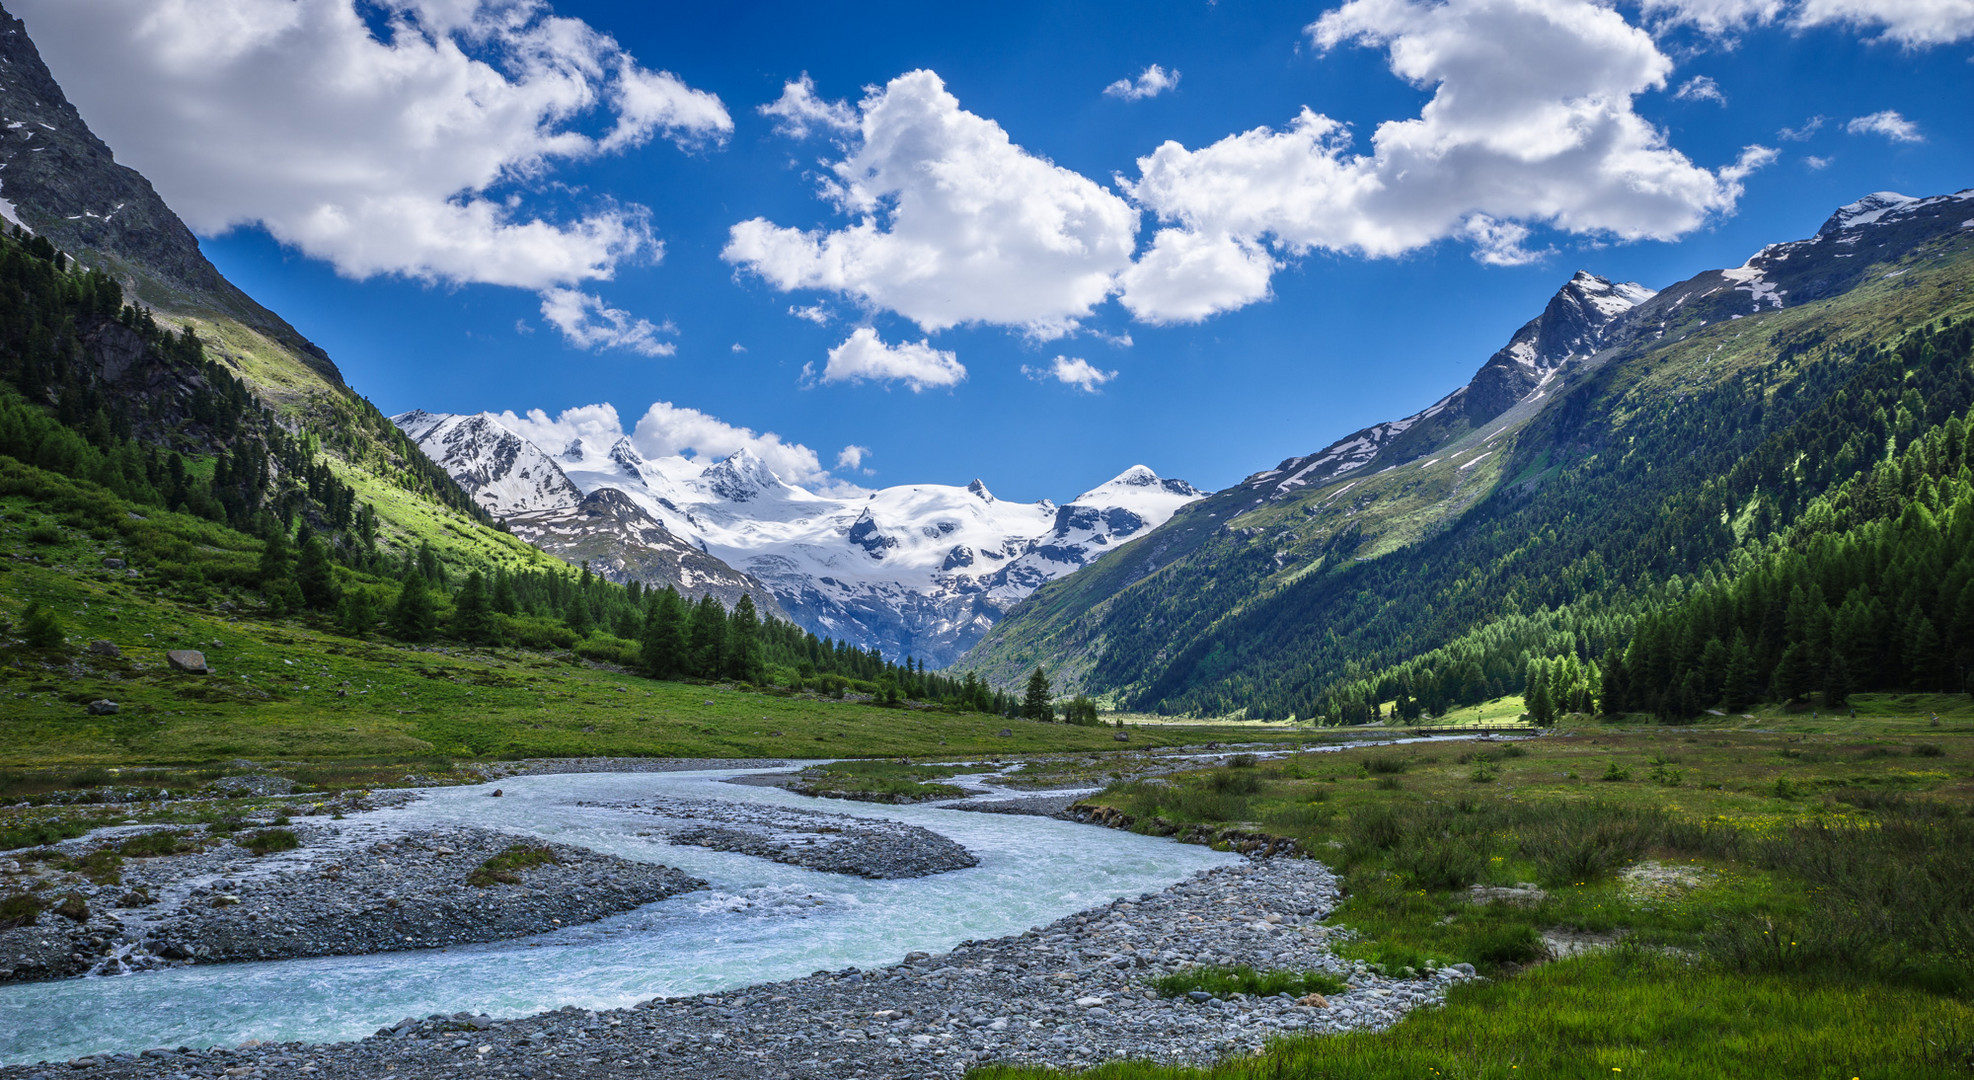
column 1123, row 736
column 113, row 564
column 105, row 648
column 1007, row 733
column 103, row 707
column 189, row 661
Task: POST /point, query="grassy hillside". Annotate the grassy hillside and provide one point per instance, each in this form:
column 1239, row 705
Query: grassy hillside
column 1546, row 531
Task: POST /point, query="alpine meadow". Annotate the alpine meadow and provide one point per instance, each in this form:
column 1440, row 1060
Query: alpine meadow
column 440, row 636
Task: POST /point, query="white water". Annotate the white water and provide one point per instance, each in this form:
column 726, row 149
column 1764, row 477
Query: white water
column 760, row 921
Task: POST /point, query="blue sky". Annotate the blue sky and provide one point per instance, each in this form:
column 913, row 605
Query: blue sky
column 1335, row 283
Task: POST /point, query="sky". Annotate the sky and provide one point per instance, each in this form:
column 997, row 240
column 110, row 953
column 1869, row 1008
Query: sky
column 1033, row 243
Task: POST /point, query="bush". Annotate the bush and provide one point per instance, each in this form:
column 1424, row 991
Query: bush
column 1928, row 750
column 1573, row 844
column 1232, row 782
column 72, row 907
column 95, row 776
column 1385, row 764
column 154, row 844
column 40, row 628
column 1512, row 944
column 1222, row 981
column 535, row 632
column 20, row 909
column 269, row 841
column 606, row 649
column 505, row 868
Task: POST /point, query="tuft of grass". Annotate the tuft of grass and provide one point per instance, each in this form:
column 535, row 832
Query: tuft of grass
column 155, row 844
column 505, row 868
column 1385, row 764
column 71, row 906
column 1223, row 981
column 39, row 833
column 19, row 909
column 269, row 841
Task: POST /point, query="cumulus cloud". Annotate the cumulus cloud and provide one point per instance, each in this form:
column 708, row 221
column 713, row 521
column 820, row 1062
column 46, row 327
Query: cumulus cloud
column 851, row 459
column 404, row 152
column 1503, row 144
column 1072, row 371
column 1911, row 23
column 1151, row 82
column 1700, row 88
column 954, row 223
column 866, row 357
column 665, row 430
column 1714, row 17
column 1887, row 123
column 798, row 112
column 1815, row 162
column 589, row 323
column 815, row 313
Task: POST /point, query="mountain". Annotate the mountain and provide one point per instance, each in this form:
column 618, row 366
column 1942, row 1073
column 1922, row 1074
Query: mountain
column 1621, row 443
column 920, row 570
column 174, row 359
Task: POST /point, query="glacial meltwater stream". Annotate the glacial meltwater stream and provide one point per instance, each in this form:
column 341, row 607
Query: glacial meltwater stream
column 760, row 921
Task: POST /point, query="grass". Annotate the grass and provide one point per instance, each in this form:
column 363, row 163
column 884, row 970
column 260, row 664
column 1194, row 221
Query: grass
column 1226, row 981
column 269, row 841
column 1779, row 894
column 1627, row 1013
column 881, row 780
column 505, row 868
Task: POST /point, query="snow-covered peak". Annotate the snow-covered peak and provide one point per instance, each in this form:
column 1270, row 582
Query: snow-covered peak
column 1867, row 210
column 1610, row 298
column 1135, row 485
column 504, row 472
column 740, row 477
column 979, row 490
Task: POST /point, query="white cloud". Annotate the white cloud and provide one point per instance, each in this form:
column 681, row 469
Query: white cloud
column 1072, row 371
column 379, row 156
column 851, row 458
column 865, row 356
column 666, row 430
column 798, row 112
column 1503, row 144
column 815, row 313
column 1151, row 82
column 1887, row 123
column 589, row 323
column 1815, row 162
column 955, row 223
column 737, row 348
column 1700, row 88
column 1713, row 17
column 1802, row 134
column 1911, row 23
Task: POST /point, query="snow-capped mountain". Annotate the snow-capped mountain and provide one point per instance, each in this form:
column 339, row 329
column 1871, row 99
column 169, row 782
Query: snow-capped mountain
column 919, row 570
column 1577, row 322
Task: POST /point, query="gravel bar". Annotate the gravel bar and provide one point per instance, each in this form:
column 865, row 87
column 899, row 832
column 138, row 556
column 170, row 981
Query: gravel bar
column 1071, row 994
column 833, row 843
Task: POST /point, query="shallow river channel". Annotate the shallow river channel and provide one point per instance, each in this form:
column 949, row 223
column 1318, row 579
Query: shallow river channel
column 760, row 921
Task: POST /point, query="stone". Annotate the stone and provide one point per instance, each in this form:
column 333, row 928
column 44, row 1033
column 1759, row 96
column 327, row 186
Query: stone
column 103, row 707
column 1123, row 736
column 1007, row 733
column 105, row 648
column 189, row 661
column 496, row 793
column 113, row 564
column 1088, row 1002
column 1523, row 894
column 1314, row 1001
column 1199, row 995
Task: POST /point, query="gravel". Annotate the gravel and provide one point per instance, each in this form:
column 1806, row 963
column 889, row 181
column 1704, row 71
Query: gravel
column 1070, row 994
column 833, row 843
column 348, row 889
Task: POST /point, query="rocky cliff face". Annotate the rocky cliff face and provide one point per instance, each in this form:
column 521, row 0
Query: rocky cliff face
column 61, row 182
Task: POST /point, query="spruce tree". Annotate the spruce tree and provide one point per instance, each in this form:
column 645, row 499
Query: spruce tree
column 276, row 559
column 315, row 577
column 709, row 637
column 663, row 647
column 576, row 616
column 355, row 615
column 743, row 651
column 472, row 613
column 415, row 615
column 1036, row 704
column 504, row 600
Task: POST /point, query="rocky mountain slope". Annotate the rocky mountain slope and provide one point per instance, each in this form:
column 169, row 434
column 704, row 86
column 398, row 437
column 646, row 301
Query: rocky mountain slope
column 1406, row 537
column 921, row 570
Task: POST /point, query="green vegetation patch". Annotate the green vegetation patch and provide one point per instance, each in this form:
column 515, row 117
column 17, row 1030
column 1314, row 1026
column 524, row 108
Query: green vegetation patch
column 899, row 781
column 505, row 868
column 1224, row 981
column 269, row 841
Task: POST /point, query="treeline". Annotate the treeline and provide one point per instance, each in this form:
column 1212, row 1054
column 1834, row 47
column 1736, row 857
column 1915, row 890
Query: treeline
column 1873, row 591
column 1599, row 522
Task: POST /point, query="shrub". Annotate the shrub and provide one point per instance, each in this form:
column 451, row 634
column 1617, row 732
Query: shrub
column 95, row 776
column 1385, row 764
column 1512, row 944
column 72, row 907
column 1242, row 761
column 1222, row 981
column 40, row 628
column 1615, row 773
column 20, row 909
column 505, row 868
column 1928, row 750
column 1574, row 843
column 153, row 844
column 269, row 841
column 1231, row 782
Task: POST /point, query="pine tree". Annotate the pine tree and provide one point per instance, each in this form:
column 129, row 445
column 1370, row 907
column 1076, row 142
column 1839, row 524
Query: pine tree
column 1737, row 681
column 276, row 558
column 504, row 600
column 743, row 651
column 709, row 637
column 1037, row 704
column 1541, row 710
column 355, row 615
column 415, row 615
column 576, row 616
column 472, row 613
column 315, row 577
column 663, row 647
